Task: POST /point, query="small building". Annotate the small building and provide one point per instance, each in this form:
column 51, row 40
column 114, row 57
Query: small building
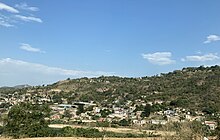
column 212, row 125
column 65, row 106
column 139, row 122
column 169, row 112
column 162, row 122
column 55, row 117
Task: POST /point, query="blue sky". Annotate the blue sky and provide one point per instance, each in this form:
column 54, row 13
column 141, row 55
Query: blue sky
column 45, row 41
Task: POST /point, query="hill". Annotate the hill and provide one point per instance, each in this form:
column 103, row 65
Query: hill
column 196, row 88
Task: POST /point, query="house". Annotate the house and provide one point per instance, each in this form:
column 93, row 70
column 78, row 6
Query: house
column 55, row 117
column 212, row 125
column 96, row 110
column 89, row 121
column 65, row 106
column 137, row 115
column 158, row 102
column 163, row 122
column 169, row 112
column 86, row 104
column 139, row 122
column 196, row 118
column 115, row 115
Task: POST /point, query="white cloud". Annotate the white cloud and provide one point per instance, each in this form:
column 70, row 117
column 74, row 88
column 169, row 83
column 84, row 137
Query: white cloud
column 5, row 23
column 212, row 38
column 8, row 8
column 11, row 18
column 24, row 6
column 159, row 58
column 15, row 72
column 201, row 58
column 29, row 48
column 29, row 18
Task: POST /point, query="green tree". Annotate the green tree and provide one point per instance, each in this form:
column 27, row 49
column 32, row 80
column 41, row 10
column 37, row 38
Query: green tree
column 67, row 114
column 146, row 111
column 57, row 98
column 27, row 120
column 80, row 109
column 124, row 122
column 105, row 113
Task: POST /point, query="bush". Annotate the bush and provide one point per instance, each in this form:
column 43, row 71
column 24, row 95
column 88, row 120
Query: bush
column 81, row 132
column 103, row 124
column 27, row 120
column 124, row 122
column 1, row 130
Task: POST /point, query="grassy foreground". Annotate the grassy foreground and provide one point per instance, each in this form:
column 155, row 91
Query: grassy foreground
column 80, row 138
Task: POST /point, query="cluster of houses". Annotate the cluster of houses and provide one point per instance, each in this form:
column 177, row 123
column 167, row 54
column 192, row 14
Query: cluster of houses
column 92, row 113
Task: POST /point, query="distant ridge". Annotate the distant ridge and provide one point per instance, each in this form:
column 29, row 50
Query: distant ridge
column 22, row 86
column 16, row 87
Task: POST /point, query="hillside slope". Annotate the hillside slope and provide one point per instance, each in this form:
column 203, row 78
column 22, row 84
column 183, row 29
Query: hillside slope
column 194, row 88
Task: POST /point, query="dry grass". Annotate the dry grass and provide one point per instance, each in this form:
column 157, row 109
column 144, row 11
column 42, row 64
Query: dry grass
column 116, row 130
column 78, row 138
column 120, row 130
